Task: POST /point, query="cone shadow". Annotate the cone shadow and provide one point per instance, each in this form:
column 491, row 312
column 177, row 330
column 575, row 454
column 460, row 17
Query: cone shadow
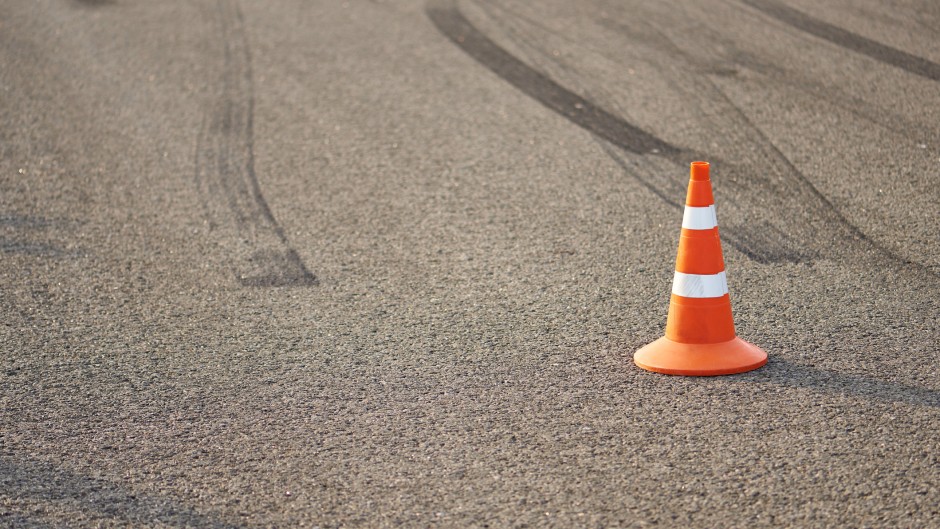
column 785, row 373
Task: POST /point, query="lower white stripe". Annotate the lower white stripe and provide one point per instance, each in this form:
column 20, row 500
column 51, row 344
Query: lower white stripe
column 699, row 218
column 700, row 286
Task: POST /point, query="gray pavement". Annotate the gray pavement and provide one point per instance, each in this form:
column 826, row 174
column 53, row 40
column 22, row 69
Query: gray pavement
column 382, row 264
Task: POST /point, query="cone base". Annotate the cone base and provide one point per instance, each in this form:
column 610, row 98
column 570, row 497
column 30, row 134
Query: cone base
column 700, row 360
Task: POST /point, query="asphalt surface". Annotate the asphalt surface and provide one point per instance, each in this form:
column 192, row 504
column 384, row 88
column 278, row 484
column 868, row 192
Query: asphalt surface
column 382, row 264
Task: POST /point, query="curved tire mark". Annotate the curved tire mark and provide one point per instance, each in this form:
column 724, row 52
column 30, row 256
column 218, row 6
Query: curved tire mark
column 847, row 39
column 452, row 24
column 225, row 170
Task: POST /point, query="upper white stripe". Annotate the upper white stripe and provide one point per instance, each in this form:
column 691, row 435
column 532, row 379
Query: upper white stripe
column 700, row 286
column 699, row 218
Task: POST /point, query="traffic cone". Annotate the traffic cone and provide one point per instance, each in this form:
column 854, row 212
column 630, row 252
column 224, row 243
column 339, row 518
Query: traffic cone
column 700, row 338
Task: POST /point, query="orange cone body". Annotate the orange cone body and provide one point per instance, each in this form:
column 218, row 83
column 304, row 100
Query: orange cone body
column 700, row 338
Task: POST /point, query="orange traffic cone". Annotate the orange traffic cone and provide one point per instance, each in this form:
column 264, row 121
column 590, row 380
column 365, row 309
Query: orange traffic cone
column 700, row 338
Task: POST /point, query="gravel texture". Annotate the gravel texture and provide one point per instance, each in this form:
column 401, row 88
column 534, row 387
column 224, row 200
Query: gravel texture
column 385, row 264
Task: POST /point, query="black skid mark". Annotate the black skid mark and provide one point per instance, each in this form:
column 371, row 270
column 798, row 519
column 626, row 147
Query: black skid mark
column 261, row 254
column 848, row 40
column 452, row 24
column 95, row 3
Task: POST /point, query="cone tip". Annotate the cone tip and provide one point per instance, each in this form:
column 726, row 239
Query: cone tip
column 700, row 170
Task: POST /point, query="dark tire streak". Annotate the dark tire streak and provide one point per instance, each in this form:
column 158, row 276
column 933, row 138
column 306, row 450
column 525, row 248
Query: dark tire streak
column 452, row 24
column 615, row 156
column 847, row 39
column 225, row 170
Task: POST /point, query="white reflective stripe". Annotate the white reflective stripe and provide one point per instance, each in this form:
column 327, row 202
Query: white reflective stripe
column 699, row 218
column 700, row 286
